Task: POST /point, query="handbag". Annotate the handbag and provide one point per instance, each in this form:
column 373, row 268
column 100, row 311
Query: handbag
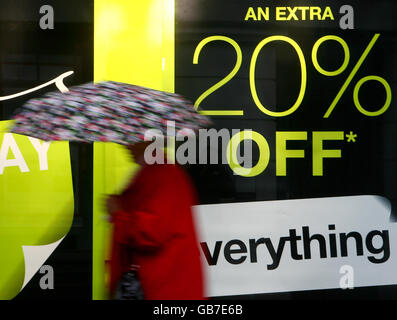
column 129, row 286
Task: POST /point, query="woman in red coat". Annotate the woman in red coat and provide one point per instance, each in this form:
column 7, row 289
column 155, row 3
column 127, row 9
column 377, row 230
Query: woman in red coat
column 154, row 229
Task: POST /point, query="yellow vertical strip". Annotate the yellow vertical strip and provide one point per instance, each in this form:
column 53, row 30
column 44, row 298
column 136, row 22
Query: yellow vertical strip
column 168, row 45
column 132, row 39
column 133, row 43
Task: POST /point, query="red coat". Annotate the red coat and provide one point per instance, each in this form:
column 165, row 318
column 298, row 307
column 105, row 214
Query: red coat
column 156, row 223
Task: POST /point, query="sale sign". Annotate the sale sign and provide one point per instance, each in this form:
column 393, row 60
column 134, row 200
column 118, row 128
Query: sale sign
column 36, row 205
column 311, row 88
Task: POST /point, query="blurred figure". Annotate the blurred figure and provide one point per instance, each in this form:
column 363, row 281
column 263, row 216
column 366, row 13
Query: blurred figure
column 154, row 230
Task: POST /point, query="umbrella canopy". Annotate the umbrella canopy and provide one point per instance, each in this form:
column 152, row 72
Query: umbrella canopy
column 106, row 111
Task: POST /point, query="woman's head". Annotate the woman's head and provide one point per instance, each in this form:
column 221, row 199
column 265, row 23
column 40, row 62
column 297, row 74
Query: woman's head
column 137, row 151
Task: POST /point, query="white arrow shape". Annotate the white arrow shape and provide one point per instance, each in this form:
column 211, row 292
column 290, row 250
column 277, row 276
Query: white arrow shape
column 58, row 82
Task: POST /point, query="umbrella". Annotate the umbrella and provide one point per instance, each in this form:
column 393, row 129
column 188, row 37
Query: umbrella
column 107, row 111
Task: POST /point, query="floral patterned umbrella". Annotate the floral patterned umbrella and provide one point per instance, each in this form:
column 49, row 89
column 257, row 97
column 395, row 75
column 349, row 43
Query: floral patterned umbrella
column 107, row 111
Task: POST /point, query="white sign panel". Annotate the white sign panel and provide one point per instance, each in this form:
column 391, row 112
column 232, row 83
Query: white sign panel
column 296, row 245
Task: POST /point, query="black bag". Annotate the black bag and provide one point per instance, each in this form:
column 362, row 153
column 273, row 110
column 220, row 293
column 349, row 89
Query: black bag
column 129, row 287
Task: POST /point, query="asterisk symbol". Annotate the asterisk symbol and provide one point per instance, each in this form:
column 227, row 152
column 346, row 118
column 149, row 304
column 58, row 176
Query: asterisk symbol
column 351, row 137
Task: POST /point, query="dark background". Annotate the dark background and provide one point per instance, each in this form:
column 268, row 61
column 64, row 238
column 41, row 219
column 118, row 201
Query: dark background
column 367, row 167
column 30, row 56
